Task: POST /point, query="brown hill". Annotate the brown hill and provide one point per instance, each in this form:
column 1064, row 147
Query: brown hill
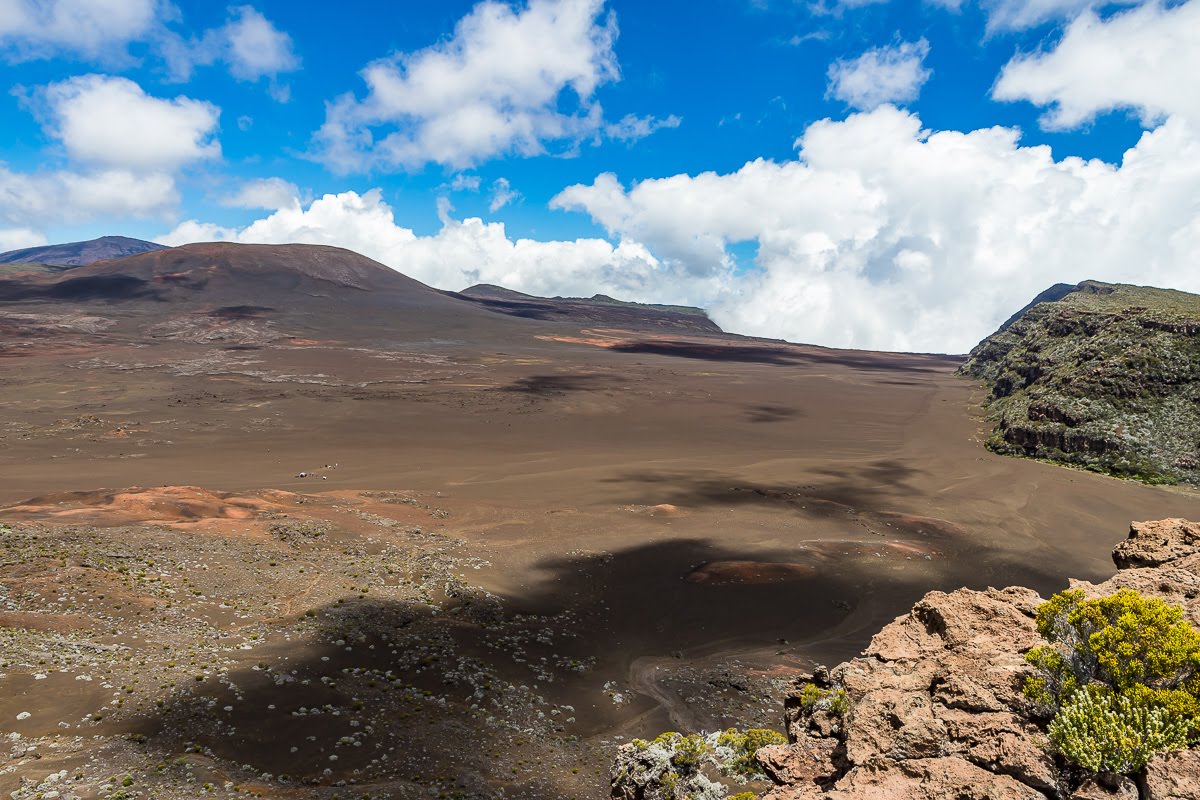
column 280, row 291
column 312, row 291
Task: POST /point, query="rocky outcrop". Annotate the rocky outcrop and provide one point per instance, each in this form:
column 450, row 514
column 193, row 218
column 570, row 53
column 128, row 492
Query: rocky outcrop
column 933, row 707
column 1152, row 544
column 1102, row 376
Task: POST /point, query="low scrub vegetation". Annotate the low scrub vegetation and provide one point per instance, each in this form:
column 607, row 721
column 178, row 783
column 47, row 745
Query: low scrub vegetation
column 676, row 766
column 1119, row 678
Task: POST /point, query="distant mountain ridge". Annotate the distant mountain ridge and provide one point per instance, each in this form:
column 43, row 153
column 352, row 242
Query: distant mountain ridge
column 598, row 310
column 80, row 254
column 1098, row 375
column 490, row 290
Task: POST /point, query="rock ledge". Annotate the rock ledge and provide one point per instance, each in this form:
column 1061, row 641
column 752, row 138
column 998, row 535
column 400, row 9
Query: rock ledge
column 933, row 707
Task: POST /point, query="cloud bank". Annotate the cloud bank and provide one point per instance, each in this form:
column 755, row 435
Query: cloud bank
column 463, row 252
column 880, row 234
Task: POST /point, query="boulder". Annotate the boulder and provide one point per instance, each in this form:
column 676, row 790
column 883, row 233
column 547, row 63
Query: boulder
column 1174, row 776
column 928, row 779
column 808, row 760
column 1151, row 544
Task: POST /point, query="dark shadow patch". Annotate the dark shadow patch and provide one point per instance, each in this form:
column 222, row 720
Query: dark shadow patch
column 769, row 413
column 110, row 288
column 870, row 487
column 417, row 686
column 781, row 355
column 516, row 308
column 555, row 385
column 240, row 312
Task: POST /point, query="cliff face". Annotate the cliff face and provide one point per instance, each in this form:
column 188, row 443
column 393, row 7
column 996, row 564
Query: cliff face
column 933, row 708
column 1105, row 377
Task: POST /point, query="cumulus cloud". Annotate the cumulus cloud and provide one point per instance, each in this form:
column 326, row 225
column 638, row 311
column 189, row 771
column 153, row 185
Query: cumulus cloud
column 99, row 29
column 112, row 122
column 1145, row 60
column 125, row 148
column 463, row 252
column 268, row 193
column 33, row 200
column 884, row 235
column 501, row 195
column 880, row 234
column 508, row 81
column 248, row 43
column 889, row 74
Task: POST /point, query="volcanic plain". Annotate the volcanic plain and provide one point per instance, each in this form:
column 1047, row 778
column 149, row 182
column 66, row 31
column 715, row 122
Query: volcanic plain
column 281, row 522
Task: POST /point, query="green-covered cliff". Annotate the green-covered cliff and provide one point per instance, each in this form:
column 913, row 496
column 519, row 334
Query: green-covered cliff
column 1102, row 376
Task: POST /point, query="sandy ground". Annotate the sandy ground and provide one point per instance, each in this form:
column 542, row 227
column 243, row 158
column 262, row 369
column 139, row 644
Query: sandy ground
column 504, row 559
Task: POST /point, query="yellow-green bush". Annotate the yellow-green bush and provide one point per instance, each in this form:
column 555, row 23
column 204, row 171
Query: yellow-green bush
column 736, row 750
column 1120, row 675
column 814, row 698
column 1109, row 732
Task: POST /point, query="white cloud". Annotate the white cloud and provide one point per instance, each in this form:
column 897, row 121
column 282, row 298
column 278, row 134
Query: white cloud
column 100, row 29
column 633, row 128
column 113, row 123
column 258, row 49
column 502, row 194
column 19, row 239
column 248, row 43
column 498, row 86
column 883, row 235
column 1020, row 14
column 1146, row 60
column 464, row 252
column 268, row 193
column 889, row 74
column 125, row 149
column 34, row 200
column 879, row 235
column 465, row 183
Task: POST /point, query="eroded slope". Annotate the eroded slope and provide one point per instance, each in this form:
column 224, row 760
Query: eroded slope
column 1106, row 377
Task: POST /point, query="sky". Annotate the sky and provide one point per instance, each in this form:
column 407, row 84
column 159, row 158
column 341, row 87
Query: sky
column 879, row 174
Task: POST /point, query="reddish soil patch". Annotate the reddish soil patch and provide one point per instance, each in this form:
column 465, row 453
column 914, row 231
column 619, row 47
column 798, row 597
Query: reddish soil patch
column 725, row 572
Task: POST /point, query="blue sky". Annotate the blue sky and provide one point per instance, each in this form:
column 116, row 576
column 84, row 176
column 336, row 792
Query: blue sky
column 648, row 150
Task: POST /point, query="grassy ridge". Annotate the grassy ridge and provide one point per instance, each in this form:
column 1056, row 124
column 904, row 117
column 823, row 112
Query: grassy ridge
column 1106, row 378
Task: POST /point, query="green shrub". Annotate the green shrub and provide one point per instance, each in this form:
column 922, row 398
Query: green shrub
column 735, row 750
column 1104, row 731
column 813, row 698
column 675, row 766
column 667, row 768
column 1120, row 675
